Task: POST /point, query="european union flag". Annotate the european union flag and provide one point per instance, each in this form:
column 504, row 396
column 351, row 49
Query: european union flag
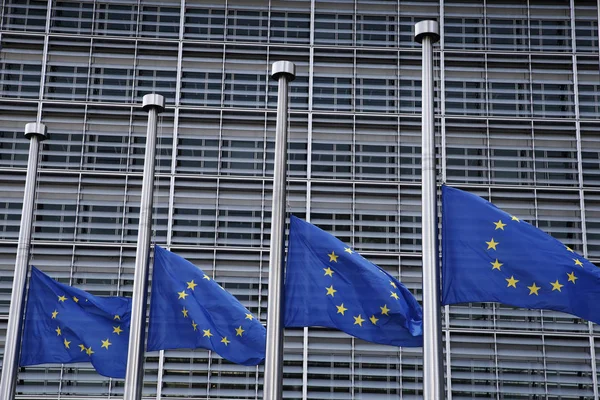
column 190, row 310
column 489, row 255
column 64, row 324
column 329, row 284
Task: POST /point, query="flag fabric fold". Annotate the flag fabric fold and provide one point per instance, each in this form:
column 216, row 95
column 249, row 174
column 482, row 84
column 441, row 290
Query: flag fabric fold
column 329, row 284
column 190, row 310
column 489, row 255
column 64, row 324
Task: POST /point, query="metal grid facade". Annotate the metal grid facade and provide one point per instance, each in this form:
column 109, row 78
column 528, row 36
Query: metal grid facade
column 517, row 113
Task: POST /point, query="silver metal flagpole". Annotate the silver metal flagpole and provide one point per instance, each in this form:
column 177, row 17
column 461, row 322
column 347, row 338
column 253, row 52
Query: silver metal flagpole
column 35, row 132
column 283, row 72
column 153, row 103
column 427, row 33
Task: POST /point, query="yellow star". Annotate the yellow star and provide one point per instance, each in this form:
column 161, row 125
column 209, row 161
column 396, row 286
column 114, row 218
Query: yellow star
column 182, row 295
column 62, row 298
column 75, row 299
column 533, row 289
column 116, row 317
column 249, row 316
column 385, row 310
column 195, row 325
column 206, row 277
column 82, row 347
column 373, row 319
column 341, row 309
column 239, row 331
column 89, row 351
column 207, row 333
column 516, row 219
column 54, row 314
column 577, row 262
column 512, row 282
column 348, row 250
column 556, row 286
column 224, row 340
column 117, row 329
column 491, row 244
column 191, row 284
column 330, row 291
column 332, row 257
column 499, row 225
column 67, row 343
column 184, row 312
column 572, row 277
column 328, row 271
column 394, row 295
column 393, row 285
column 496, row 265
column 358, row 320
column 568, row 248
column 106, row 343
column 58, row 331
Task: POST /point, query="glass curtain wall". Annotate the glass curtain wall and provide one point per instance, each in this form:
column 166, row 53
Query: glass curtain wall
column 517, row 121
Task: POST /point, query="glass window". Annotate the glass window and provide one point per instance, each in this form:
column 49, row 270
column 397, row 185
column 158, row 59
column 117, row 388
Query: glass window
column 246, row 75
column 24, row 15
column 376, row 24
column 586, row 26
column 376, row 81
column 550, row 25
column 202, row 75
column 113, row 18
column 509, row 89
column 555, row 153
column 67, row 69
column 204, row 21
column 466, row 151
column 465, row 84
column 72, row 17
column 333, row 80
column 247, row 21
column 160, row 18
column 589, row 86
column 507, row 25
column 376, row 143
column 552, row 86
column 511, row 152
column 112, row 70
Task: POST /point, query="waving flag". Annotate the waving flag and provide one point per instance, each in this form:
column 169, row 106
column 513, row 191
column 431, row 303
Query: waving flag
column 329, row 284
column 64, row 324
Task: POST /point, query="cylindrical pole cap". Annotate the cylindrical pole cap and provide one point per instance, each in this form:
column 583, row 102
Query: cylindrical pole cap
column 154, row 100
column 36, row 129
column 286, row 68
column 427, row 28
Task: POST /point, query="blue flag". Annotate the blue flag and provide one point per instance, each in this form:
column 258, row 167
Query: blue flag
column 329, row 284
column 490, row 255
column 67, row 325
column 190, row 310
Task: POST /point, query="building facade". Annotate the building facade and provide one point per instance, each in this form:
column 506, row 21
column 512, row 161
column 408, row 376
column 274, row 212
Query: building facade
column 517, row 115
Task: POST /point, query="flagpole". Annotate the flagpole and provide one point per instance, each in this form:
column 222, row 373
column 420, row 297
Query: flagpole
column 284, row 72
column 35, row 132
column 427, row 33
column 154, row 104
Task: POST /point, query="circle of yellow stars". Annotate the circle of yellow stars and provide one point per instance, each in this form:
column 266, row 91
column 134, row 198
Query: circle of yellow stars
column 341, row 309
column 104, row 343
column 191, row 285
column 512, row 281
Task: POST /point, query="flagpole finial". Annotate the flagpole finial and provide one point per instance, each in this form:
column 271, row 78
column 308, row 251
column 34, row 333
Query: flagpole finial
column 153, row 100
column 286, row 68
column 429, row 28
column 36, row 129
